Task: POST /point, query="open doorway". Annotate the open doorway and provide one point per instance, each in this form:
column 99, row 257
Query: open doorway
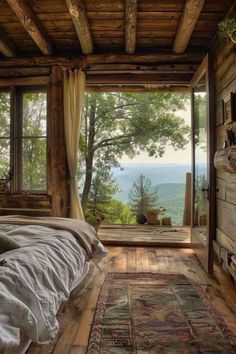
column 133, row 138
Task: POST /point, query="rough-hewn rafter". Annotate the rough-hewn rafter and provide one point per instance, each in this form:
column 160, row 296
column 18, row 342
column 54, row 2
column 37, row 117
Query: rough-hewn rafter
column 84, row 62
column 130, row 25
column 187, row 23
column 136, row 88
column 30, row 22
column 137, row 79
column 6, row 47
column 80, row 20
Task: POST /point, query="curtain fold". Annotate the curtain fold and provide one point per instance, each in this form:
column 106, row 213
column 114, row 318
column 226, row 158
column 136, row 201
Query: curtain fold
column 74, row 90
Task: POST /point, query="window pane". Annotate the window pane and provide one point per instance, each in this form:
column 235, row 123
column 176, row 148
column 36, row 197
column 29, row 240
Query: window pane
column 4, row 157
column 34, row 164
column 4, row 114
column 34, row 114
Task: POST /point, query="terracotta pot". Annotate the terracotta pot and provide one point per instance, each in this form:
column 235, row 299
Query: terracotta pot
column 152, row 219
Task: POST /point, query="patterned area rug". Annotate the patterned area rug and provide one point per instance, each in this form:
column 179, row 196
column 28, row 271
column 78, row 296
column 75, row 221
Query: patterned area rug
column 156, row 313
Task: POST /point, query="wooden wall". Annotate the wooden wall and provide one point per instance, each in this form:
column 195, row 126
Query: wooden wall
column 225, row 82
column 56, row 201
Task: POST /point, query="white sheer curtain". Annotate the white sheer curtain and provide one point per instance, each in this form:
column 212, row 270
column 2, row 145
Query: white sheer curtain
column 74, row 89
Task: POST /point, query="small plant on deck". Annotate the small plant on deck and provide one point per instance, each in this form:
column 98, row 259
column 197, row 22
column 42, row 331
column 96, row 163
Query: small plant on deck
column 152, row 215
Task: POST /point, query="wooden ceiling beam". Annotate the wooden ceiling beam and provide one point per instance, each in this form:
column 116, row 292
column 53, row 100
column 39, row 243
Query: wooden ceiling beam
column 133, row 79
column 84, row 62
column 24, row 72
column 141, row 88
column 80, row 20
column 31, row 24
column 187, row 23
column 6, row 47
column 141, row 69
column 131, row 9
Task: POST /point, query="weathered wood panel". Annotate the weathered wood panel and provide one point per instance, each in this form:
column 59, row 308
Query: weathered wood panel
column 226, row 241
column 25, row 201
column 226, row 220
column 225, row 82
column 226, row 190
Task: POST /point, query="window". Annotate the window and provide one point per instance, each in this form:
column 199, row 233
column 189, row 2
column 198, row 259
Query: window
column 5, row 123
column 23, row 139
column 34, row 130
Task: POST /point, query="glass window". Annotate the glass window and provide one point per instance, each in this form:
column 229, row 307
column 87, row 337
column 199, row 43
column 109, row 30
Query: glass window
column 34, row 142
column 5, row 124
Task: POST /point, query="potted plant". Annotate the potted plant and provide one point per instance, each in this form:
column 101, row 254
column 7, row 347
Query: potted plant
column 141, row 218
column 152, row 215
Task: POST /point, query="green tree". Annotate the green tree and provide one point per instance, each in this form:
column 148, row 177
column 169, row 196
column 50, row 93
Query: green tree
column 34, row 121
column 120, row 213
column 4, row 134
column 34, row 141
column 127, row 123
column 102, row 190
column 141, row 197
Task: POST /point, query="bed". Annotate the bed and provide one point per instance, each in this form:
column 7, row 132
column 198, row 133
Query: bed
column 53, row 259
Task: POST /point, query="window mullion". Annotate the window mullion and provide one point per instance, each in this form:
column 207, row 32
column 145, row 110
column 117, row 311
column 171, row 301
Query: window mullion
column 18, row 141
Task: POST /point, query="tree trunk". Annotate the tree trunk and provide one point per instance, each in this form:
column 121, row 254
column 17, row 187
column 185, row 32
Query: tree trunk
column 88, row 182
column 89, row 156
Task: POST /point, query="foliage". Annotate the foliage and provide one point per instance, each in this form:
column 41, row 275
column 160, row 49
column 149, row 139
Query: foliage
column 141, row 197
column 120, row 213
column 34, row 141
column 227, row 29
column 102, row 189
column 34, row 114
column 200, row 113
column 4, row 134
column 158, row 211
column 200, row 196
column 115, row 124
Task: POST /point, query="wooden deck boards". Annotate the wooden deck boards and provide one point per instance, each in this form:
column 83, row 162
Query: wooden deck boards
column 220, row 290
column 145, row 235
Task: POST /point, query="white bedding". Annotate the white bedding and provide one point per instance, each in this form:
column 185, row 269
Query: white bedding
column 37, row 278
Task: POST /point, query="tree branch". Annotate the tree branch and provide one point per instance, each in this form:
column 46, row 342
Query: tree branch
column 110, row 141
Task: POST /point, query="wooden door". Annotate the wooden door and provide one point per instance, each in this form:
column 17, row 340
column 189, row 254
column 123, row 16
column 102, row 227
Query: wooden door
column 203, row 186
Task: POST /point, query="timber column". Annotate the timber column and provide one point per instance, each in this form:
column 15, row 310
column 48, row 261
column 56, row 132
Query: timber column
column 59, row 167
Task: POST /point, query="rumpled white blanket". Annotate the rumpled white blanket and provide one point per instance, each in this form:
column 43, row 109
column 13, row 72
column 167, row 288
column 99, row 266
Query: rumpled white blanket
column 36, row 279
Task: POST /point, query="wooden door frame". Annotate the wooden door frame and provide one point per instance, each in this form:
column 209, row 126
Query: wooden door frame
column 206, row 67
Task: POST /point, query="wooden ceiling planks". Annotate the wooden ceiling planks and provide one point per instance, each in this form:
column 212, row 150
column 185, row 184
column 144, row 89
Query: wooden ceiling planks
column 6, row 47
column 31, row 24
column 107, row 21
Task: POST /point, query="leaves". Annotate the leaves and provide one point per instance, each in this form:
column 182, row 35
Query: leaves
column 141, row 197
column 117, row 124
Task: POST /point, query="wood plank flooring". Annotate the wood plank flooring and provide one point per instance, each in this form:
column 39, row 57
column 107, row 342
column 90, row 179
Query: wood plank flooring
column 220, row 290
column 145, row 235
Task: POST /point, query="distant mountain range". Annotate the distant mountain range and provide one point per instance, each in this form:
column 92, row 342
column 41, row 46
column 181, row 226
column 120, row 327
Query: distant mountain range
column 169, row 179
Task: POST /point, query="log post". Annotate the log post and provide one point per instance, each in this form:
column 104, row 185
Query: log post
column 59, row 166
column 187, row 201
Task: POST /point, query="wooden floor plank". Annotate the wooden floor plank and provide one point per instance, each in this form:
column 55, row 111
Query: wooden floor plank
column 220, row 290
column 143, row 235
column 131, row 261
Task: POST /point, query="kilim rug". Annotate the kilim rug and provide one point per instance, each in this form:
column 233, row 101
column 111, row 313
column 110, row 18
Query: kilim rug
column 156, row 313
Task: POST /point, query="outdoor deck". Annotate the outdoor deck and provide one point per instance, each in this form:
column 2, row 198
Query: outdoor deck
column 145, row 235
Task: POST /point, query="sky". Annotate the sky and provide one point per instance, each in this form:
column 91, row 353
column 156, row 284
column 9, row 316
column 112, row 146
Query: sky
column 170, row 156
